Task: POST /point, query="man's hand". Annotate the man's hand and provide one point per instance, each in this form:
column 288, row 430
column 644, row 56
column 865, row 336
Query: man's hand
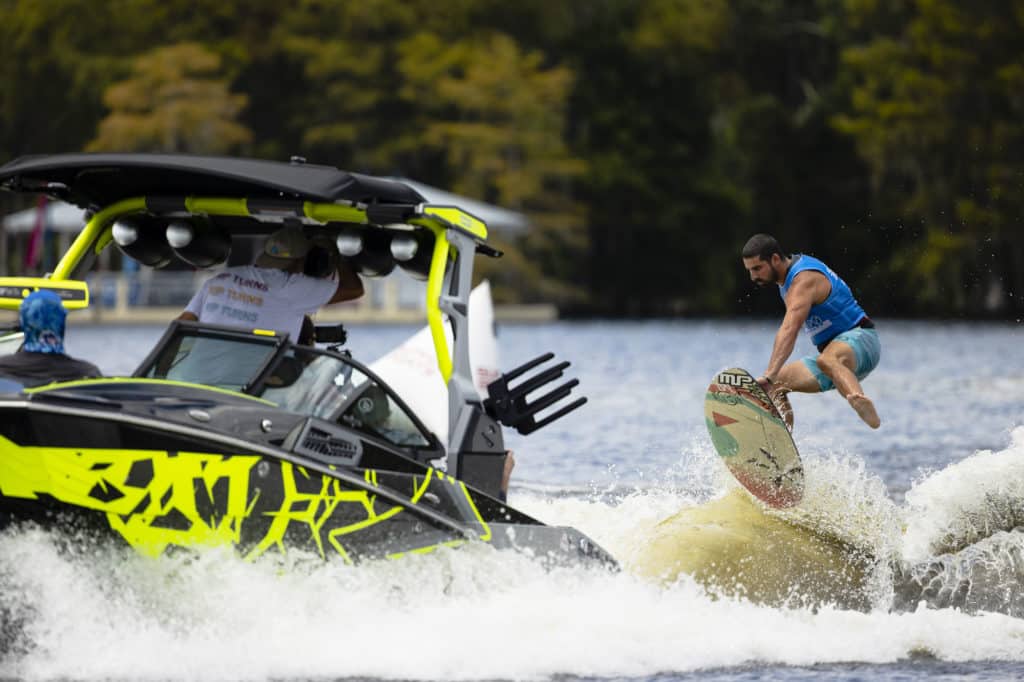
column 350, row 286
column 777, row 394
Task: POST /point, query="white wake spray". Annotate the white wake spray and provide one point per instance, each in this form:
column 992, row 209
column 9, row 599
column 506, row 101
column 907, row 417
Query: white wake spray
column 967, row 501
column 474, row 613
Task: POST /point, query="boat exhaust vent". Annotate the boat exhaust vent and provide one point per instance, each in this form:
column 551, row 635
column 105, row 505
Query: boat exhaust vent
column 326, row 444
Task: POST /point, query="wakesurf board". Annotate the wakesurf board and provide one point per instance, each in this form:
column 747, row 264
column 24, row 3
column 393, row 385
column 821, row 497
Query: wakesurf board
column 752, row 439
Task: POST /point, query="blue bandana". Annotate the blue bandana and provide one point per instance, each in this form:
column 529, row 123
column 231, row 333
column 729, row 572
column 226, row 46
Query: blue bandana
column 42, row 320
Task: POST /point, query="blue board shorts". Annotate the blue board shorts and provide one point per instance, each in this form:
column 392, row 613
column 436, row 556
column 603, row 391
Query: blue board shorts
column 866, row 348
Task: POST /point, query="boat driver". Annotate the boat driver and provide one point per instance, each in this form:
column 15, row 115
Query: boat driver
column 275, row 292
column 41, row 359
column 822, row 303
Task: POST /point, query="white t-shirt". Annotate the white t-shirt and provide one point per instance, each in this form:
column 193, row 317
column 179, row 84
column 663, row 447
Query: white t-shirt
column 261, row 298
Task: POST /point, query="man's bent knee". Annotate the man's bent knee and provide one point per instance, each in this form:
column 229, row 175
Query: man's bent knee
column 834, row 360
column 828, row 365
column 799, row 376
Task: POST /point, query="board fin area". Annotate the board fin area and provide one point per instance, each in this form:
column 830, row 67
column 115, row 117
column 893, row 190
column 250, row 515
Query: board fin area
column 752, row 439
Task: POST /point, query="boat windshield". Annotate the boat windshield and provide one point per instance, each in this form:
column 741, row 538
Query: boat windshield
column 221, row 360
column 308, row 381
column 332, row 387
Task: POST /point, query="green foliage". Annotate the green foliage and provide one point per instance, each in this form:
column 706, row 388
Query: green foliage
column 172, row 102
column 496, row 115
column 645, row 139
column 936, row 111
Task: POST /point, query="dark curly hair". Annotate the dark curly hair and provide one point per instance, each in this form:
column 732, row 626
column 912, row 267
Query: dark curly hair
column 762, row 246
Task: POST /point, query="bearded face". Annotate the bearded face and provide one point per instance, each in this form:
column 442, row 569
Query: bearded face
column 763, row 273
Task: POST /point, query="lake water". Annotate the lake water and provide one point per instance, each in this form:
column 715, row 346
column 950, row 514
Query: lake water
column 951, row 399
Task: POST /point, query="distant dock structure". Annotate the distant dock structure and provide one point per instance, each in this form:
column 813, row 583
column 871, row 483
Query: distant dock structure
column 156, row 297
column 123, row 293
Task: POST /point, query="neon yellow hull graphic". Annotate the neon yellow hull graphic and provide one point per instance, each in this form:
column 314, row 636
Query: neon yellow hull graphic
column 156, row 500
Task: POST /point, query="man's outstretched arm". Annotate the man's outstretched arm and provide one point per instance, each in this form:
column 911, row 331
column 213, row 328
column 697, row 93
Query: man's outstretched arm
column 799, row 300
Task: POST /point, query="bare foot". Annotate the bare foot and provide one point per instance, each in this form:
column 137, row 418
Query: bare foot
column 865, row 409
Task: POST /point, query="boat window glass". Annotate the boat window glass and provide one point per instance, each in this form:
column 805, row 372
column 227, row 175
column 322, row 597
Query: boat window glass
column 327, row 387
column 221, row 362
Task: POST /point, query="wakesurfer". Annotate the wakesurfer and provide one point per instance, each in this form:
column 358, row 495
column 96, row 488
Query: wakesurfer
column 820, row 301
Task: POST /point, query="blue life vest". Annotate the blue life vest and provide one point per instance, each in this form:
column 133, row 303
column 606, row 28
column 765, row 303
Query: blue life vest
column 839, row 312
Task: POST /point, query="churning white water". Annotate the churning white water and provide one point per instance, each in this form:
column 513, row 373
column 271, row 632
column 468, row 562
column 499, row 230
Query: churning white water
column 472, row 613
column 929, row 502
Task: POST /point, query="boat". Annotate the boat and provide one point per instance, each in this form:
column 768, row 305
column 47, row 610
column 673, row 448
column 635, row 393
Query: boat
column 227, row 436
column 410, row 368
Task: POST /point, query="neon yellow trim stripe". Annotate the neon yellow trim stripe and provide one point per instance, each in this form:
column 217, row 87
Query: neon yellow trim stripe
column 92, row 231
column 264, row 332
column 370, row 476
column 181, row 481
column 418, row 492
column 104, row 239
column 458, row 219
column 325, row 213
column 70, row 474
column 27, row 285
column 366, row 523
column 435, row 282
column 138, row 380
column 283, row 518
column 93, row 236
column 216, row 206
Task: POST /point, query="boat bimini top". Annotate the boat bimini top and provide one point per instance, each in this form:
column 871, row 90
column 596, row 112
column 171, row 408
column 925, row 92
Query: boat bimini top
column 157, row 207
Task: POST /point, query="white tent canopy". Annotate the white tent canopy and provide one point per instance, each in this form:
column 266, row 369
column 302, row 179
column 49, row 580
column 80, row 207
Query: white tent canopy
column 60, row 217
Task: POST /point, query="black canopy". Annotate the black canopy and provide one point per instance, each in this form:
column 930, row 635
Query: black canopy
column 98, row 180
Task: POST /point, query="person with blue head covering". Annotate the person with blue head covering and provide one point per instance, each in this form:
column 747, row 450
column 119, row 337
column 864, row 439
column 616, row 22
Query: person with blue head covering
column 41, row 359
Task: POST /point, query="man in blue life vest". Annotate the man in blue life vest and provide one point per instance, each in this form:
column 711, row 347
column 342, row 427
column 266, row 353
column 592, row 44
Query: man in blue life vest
column 818, row 300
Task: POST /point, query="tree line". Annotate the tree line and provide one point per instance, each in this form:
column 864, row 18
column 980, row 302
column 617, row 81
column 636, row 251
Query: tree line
column 645, row 139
